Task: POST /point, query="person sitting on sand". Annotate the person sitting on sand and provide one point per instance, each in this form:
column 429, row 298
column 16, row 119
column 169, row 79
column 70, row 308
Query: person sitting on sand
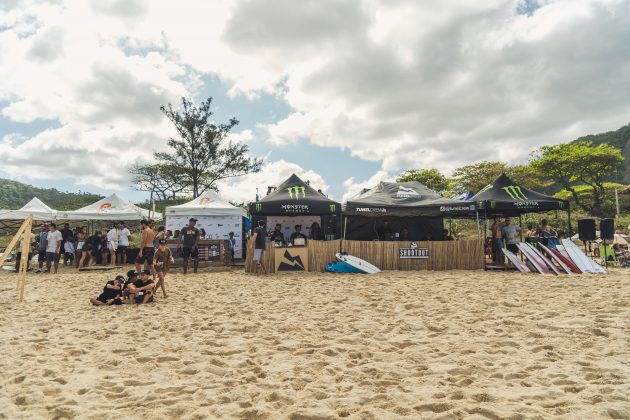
column 112, row 293
column 141, row 291
column 132, row 276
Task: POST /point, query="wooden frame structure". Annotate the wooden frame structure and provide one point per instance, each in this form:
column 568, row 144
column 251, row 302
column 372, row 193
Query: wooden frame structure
column 24, row 230
column 443, row 255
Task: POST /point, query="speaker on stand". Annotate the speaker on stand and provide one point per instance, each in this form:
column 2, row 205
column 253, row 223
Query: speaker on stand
column 606, row 231
column 586, row 231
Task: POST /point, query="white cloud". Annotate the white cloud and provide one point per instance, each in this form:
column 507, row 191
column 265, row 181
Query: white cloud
column 409, row 83
column 244, row 189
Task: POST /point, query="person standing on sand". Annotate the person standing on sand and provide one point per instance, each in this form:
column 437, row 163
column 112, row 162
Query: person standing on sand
column 512, row 234
column 41, row 247
column 497, row 241
column 112, row 244
column 189, row 237
column 146, row 247
column 260, row 241
column 124, row 237
column 53, row 245
column 163, row 260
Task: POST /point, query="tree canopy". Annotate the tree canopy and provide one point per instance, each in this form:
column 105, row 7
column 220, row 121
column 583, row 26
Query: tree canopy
column 432, row 178
column 199, row 156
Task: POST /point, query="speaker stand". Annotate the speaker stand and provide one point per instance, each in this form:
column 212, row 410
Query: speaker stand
column 605, row 256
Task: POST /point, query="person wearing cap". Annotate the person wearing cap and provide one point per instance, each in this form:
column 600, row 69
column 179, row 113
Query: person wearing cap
column 188, row 239
column 297, row 234
column 132, row 276
column 163, row 259
column 145, row 256
column 112, row 293
column 260, row 242
column 141, row 291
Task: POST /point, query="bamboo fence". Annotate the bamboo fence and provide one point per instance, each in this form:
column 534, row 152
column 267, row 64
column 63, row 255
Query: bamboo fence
column 443, row 255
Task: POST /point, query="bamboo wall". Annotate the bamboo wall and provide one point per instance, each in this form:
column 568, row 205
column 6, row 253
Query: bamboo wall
column 443, row 255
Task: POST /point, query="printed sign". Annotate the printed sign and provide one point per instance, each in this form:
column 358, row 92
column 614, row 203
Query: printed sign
column 413, row 252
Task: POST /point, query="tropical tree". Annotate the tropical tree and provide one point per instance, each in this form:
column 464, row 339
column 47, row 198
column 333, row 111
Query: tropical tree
column 201, row 154
column 475, row 177
column 163, row 180
column 580, row 164
column 432, row 178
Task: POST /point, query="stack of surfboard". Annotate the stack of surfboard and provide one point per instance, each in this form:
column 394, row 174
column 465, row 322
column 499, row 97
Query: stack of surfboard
column 565, row 259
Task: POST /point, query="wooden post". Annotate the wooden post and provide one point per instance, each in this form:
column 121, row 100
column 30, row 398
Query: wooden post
column 26, row 246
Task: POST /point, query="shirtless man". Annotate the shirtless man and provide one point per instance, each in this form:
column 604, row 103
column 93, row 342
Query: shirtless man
column 146, row 247
column 497, row 241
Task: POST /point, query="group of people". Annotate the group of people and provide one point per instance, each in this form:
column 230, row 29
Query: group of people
column 509, row 235
column 138, row 288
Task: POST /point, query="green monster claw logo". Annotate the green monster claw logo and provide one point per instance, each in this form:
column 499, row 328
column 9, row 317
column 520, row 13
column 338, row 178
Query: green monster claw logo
column 258, row 206
column 561, row 205
column 493, row 204
column 296, row 190
column 333, row 207
column 515, row 193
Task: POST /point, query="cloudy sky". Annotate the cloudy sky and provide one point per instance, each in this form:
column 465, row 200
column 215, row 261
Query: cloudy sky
column 344, row 93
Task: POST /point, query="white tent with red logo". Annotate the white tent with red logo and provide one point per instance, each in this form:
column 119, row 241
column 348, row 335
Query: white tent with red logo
column 214, row 215
column 113, row 207
column 40, row 211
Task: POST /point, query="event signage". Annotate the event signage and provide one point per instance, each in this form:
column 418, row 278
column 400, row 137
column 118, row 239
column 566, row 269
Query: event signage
column 371, row 210
column 413, row 252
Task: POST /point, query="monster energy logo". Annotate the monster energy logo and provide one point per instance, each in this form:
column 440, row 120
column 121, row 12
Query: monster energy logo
column 514, row 191
column 258, row 206
column 561, row 205
column 493, row 204
column 333, row 207
column 296, row 190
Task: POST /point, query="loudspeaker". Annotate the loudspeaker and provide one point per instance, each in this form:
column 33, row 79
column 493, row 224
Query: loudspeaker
column 586, row 229
column 607, row 229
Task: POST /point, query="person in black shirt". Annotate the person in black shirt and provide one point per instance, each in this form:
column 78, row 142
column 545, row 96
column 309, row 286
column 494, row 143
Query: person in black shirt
column 132, row 276
column 297, row 234
column 112, row 293
column 141, row 291
column 260, row 241
column 66, row 233
column 316, row 232
column 384, row 231
column 189, row 237
column 277, row 235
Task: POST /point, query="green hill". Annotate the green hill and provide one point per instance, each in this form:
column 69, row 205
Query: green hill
column 14, row 195
column 619, row 139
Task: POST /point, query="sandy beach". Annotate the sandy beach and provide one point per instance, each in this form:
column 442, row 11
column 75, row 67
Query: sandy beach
column 442, row 345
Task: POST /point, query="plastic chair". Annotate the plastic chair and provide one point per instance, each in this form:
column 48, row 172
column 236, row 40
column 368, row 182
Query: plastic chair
column 608, row 253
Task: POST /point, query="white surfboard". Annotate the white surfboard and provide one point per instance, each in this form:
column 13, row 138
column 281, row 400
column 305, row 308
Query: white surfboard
column 543, row 258
column 539, row 265
column 580, row 259
column 557, row 260
column 358, row 263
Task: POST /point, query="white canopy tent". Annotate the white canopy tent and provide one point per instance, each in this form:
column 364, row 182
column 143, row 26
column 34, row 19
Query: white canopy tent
column 39, row 210
column 113, row 207
column 215, row 215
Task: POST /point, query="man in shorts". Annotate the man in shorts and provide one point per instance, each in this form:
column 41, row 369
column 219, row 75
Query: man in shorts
column 124, row 236
column 112, row 244
column 112, row 294
column 53, row 245
column 188, row 239
column 260, row 241
column 141, row 291
column 41, row 247
column 146, row 247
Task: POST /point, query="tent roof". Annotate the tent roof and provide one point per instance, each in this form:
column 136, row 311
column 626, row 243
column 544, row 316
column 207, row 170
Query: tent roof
column 295, row 197
column 36, row 207
column 207, row 204
column 404, row 199
column 504, row 196
column 113, row 207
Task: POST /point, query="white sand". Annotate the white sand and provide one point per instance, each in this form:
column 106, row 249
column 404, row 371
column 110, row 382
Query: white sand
column 316, row 346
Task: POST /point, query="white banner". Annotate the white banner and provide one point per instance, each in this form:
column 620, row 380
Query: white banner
column 216, row 227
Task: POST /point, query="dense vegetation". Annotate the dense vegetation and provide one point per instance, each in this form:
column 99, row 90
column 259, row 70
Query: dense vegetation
column 14, row 195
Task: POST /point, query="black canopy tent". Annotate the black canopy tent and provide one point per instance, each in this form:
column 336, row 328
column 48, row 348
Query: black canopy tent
column 295, row 197
column 504, row 197
column 409, row 205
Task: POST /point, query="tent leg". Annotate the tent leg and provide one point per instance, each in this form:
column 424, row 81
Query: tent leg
column 345, row 227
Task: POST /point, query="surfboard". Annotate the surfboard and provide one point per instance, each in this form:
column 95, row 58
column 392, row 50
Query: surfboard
column 516, row 262
column 568, row 261
column 556, row 259
column 580, row 259
column 553, row 257
column 358, row 263
column 539, row 265
column 543, row 258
